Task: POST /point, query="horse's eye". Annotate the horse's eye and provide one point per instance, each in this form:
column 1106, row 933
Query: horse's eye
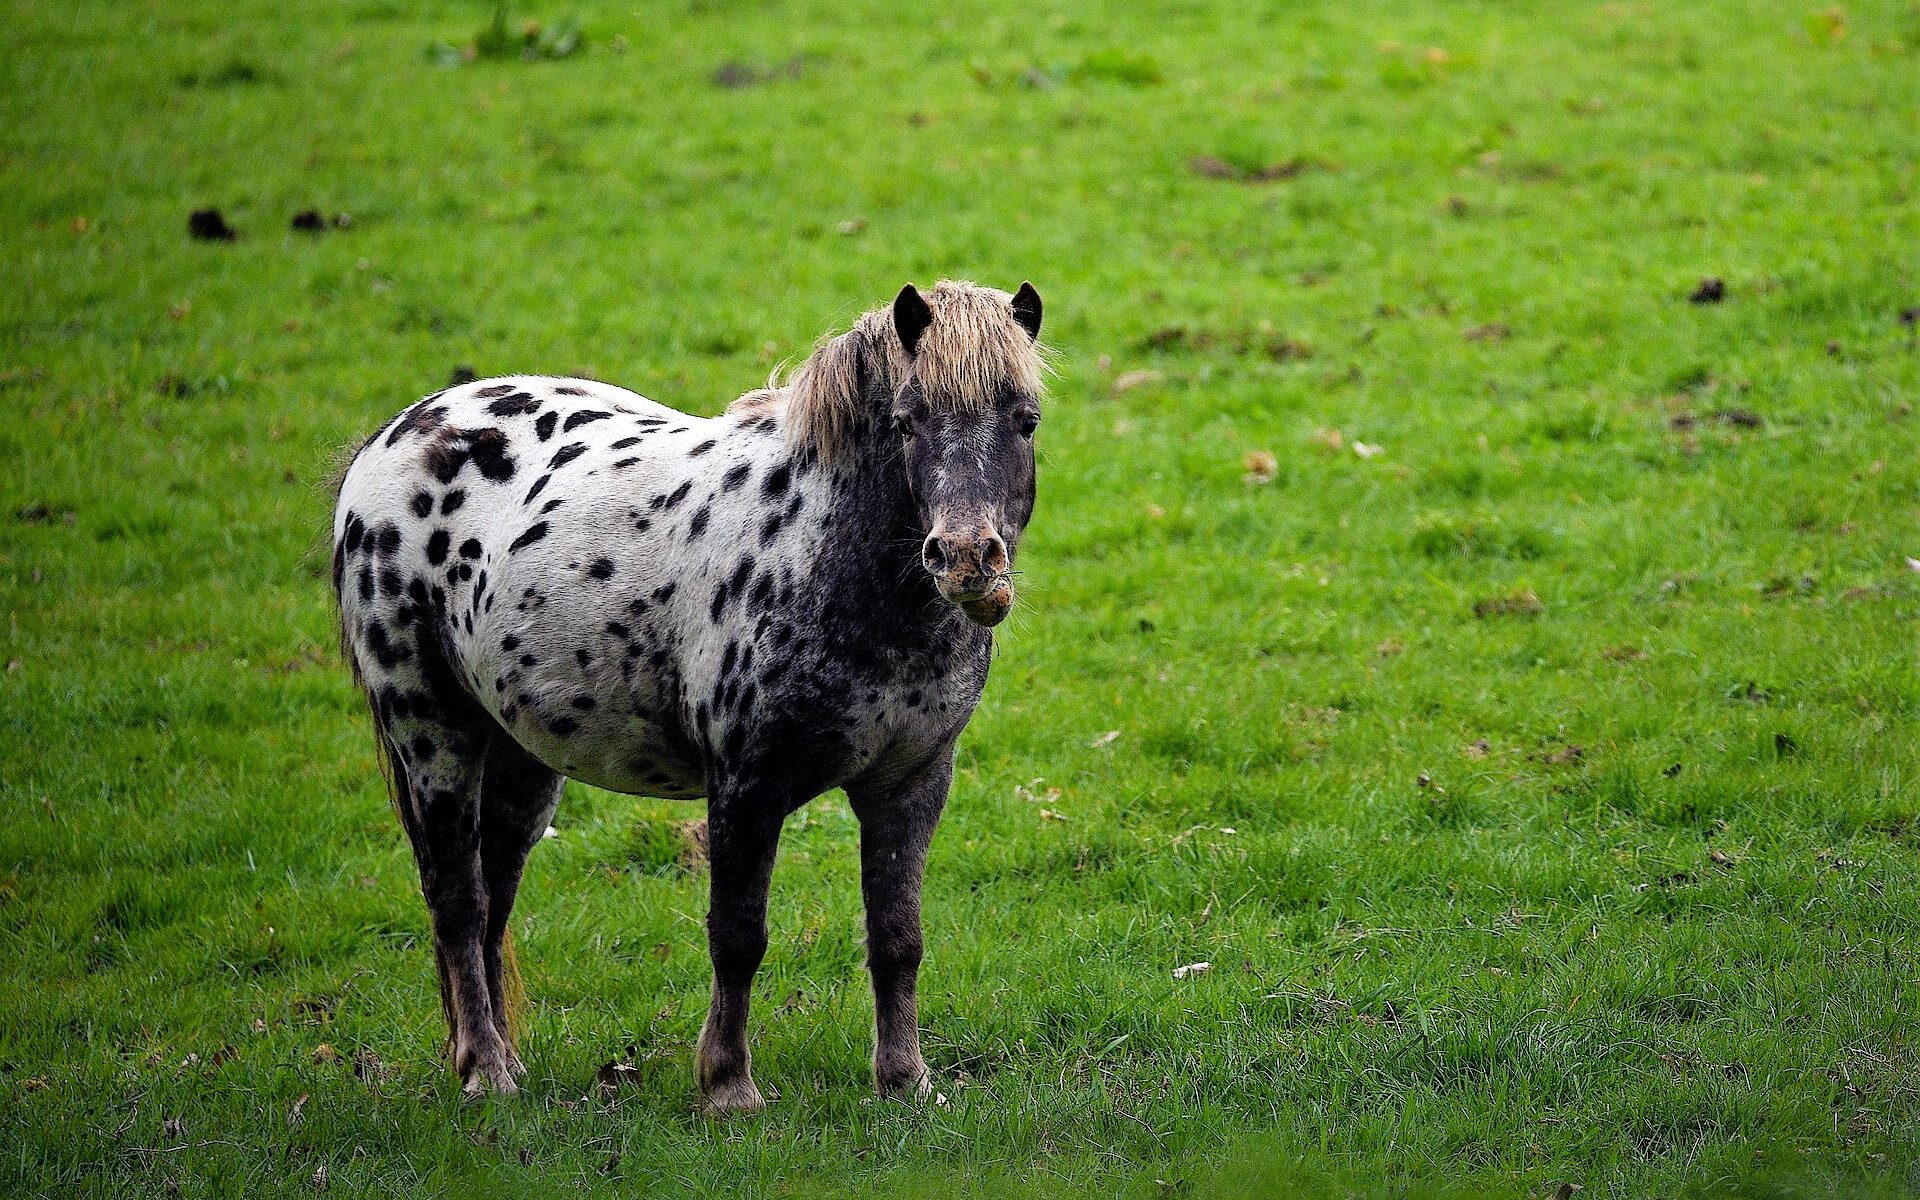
column 1028, row 422
column 903, row 425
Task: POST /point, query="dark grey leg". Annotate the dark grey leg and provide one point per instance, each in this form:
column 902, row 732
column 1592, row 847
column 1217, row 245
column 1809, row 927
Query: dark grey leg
column 896, row 824
column 441, row 795
column 743, row 832
column 518, row 794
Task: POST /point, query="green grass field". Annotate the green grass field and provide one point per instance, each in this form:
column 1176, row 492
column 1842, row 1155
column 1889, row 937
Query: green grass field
column 1528, row 743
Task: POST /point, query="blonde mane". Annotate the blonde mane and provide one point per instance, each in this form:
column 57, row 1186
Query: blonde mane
column 973, row 348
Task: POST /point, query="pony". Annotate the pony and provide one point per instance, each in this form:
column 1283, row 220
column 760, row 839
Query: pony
column 542, row 579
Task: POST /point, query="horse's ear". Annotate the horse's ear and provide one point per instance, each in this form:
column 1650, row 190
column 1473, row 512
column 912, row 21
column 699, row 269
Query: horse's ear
column 911, row 316
column 1026, row 310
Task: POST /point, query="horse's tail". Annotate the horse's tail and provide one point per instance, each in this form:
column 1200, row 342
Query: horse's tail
column 514, row 999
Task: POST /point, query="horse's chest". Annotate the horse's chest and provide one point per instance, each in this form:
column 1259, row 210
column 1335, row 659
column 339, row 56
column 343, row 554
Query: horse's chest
column 835, row 721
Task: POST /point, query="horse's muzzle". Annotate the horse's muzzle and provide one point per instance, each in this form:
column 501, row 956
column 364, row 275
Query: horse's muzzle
column 971, row 571
column 990, row 607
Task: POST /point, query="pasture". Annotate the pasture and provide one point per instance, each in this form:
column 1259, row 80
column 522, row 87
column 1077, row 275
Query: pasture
column 1486, row 642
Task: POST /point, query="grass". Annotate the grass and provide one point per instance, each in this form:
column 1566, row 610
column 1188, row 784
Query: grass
column 1541, row 788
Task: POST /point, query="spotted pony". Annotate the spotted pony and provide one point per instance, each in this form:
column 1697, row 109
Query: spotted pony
column 542, row 579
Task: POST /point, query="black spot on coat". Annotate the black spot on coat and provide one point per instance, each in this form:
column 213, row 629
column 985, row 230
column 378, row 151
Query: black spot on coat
column 421, row 418
column 386, row 652
column 489, row 450
column 517, row 405
column 386, row 539
column 445, row 457
column 533, row 534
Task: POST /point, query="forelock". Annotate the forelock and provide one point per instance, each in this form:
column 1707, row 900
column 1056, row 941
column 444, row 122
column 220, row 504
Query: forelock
column 974, row 348
column 973, row 351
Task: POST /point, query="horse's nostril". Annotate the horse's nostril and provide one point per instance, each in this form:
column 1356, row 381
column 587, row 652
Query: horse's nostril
column 965, row 561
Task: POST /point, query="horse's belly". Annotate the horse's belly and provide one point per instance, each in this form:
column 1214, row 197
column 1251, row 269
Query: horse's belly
column 582, row 692
column 600, row 731
column 628, row 757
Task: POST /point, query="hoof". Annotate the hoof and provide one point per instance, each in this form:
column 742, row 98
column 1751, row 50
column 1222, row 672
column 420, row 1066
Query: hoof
column 510, row 1053
column 736, row 1097
column 914, row 1084
column 491, row 1079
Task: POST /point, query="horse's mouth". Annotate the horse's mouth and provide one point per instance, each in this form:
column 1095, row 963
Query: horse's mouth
column 986, row 607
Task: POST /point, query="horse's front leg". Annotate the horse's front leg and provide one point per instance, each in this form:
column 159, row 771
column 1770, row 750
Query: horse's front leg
column 896, row 824
column 743, row 831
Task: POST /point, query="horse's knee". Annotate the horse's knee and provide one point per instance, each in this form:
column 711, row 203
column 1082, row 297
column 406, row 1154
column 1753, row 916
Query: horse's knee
column 737, row 945
column 459, row 911
column 894, row 953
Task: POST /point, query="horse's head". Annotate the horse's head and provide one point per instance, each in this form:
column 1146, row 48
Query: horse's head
column 965, row 417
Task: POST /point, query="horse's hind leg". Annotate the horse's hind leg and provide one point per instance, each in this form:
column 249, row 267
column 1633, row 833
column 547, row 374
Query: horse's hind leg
column 518, row 794
column 441, row 769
